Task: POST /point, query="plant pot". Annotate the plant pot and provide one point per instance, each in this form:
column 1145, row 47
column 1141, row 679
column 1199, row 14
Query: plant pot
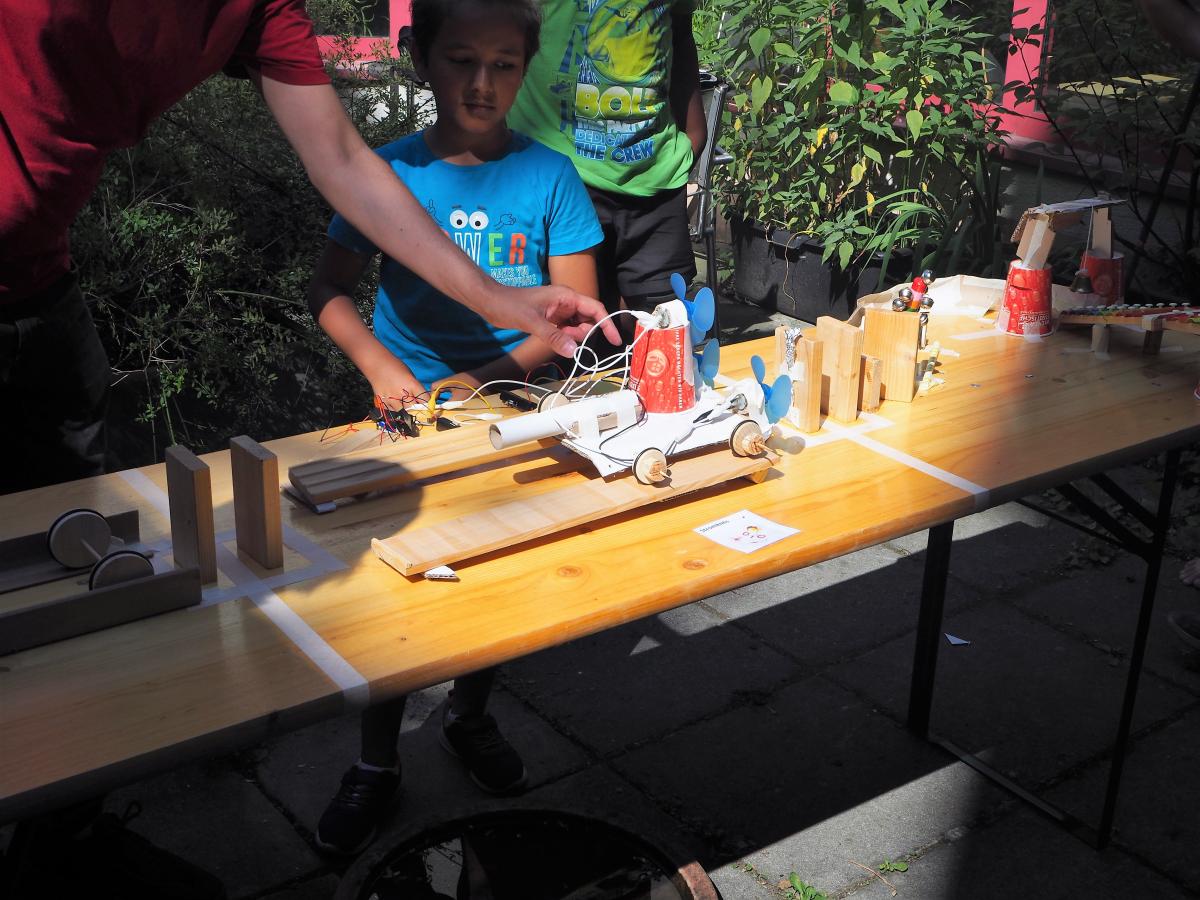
column 523, row 851
column 783, row 271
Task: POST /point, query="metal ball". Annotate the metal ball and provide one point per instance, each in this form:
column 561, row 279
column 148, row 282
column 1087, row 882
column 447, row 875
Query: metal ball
column 928, row 276
column 926, row 301
column 906, row 293
column 898, row 304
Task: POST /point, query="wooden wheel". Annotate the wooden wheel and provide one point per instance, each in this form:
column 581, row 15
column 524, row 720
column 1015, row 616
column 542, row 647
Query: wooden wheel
column 551, row 401
column 118, row 566
column 78, row 538
column 650, row 466
column 747, row 439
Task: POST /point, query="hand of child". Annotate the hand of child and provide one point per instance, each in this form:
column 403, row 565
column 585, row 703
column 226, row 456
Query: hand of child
column 556, row 314
column 394, row 384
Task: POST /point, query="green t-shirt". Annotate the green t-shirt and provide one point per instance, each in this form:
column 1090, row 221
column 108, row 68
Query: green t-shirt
column 598, row 91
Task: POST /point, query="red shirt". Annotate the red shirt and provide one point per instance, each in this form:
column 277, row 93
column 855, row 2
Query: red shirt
column 81, row 78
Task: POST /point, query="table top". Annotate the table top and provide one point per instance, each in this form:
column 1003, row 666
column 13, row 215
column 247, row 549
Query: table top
column 272, row 651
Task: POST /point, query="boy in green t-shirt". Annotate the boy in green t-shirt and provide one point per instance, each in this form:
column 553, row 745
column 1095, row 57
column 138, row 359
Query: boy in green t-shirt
column 615, row 87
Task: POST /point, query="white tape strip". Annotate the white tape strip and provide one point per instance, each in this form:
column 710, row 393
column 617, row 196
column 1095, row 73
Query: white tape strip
column 247, row 584
column 976, row 335
column 866, row 422
column 979, row 492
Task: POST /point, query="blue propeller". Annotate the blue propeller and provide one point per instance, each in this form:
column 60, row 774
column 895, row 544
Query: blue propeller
column 701, row 311
column 777, row 397
column 708, row 361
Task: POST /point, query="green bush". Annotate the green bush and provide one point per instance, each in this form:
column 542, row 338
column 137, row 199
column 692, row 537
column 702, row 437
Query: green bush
column 197, row 249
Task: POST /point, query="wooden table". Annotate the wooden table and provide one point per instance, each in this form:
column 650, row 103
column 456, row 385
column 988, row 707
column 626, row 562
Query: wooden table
column 90, row 713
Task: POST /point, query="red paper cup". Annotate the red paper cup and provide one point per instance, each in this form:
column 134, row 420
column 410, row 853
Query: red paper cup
column 661, row 369
column 1027, row 300
column 1108, row 281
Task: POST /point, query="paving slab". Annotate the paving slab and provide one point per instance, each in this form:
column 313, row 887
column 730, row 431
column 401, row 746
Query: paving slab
column 892, row 825
column 633, row 683
column 215, row 817
column 1003, row 549
column 1102, row 606
column 838, row 608
column 1028, row 698
column 302, row 770
column 321, row 887
column 763, row 772
column 1022, row 855
column 1158, row 808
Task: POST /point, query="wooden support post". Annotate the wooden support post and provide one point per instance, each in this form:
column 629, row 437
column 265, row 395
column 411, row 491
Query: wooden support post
column 189, row 491
column 872, row 375
column 1099, row 338
column 256, row 512
column 842, row 363
column 893, row 337
column 806, row 393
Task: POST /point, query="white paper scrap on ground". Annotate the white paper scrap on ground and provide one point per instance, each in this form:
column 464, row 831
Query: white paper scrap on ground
column 745, row 531
column 441, row 573
column 956, row 641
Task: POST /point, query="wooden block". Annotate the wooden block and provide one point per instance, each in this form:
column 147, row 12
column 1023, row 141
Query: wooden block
column 1152, row 343
column 27, row 560
column 842, row 364
column 189, row 491
column 1101, row 233
column 1036, row 242
column 872, row 374
column 419, row 550
column 806, row 392
column 256, row 512
column 1100, row 338
column 44, row 623
column 893, row 338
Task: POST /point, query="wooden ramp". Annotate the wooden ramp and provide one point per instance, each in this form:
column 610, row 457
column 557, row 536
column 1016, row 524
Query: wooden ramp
column 418, row 551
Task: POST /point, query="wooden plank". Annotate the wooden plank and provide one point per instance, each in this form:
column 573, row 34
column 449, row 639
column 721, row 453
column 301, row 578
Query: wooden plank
column 806, row 393
column 189, row 491
column 27, row 562
column 893, row 337
column 256, row 510
column 871, row 383
column 842, row 364
column 95, row 610
column 523, row 520
column 393, row 465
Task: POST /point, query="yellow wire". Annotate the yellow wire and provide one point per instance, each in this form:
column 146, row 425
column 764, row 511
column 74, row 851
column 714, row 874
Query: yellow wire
column 437, row 389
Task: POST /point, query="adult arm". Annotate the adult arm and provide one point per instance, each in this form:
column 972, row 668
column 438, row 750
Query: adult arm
column 330, row 298
column 686, row 103
column 573, row 270
column 362, row 187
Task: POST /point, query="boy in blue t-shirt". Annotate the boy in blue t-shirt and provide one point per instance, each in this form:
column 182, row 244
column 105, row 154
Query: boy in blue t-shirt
column 521, row 212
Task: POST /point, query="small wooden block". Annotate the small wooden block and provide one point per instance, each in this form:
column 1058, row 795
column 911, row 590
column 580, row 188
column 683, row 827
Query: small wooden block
column 872, row 375
column 806, row 394
column 1152, row 342
column 1101, row 233
column 256, row 510
column 893, row 338
column 189, row 491
column 842, row 364
column 1036, row 242
column 1100, row 337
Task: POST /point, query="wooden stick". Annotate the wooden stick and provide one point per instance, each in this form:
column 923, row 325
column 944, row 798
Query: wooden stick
column 256, row 509
column 189, row 491
column 872, row 383
column 44, row 623
column 420, row 550
column 806, row 393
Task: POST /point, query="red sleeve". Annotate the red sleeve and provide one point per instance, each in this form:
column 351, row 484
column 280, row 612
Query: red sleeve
column 280, row 44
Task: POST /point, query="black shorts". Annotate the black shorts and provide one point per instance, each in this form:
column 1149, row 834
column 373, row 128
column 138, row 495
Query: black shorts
column 646, row 239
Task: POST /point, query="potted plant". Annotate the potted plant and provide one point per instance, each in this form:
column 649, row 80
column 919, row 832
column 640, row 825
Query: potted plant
column 857, row 130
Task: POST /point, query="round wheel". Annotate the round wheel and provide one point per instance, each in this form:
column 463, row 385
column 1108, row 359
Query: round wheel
column 78, row 538
column 650, row 467
column 118, row 566
column 551, row 401
column 747, row 439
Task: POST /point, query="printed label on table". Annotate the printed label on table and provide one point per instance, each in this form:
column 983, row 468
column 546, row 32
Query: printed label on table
column 745, row 531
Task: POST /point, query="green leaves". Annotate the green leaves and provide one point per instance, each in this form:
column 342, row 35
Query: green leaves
column 758, row 40
column 760, row 91
column 914, row 120
column 843, row 93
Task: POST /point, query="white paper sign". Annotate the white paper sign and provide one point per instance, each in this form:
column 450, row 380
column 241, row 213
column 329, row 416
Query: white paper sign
column 745, row 531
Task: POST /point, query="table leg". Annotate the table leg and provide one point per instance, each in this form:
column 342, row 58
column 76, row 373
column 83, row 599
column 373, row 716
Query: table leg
column 1153, row 557
column 929, row 625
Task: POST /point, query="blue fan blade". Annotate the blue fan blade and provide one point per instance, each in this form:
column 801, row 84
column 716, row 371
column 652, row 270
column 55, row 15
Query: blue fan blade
column 679, row 286
column 701, row 313
column 779, row 399
column 759, row 368
column 710, row 361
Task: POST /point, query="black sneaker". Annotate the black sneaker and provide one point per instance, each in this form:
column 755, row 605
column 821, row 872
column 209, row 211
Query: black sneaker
column 352, row 817
column 491, row 760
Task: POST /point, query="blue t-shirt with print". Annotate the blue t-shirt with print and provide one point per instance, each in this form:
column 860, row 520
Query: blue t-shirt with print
column 509, row 215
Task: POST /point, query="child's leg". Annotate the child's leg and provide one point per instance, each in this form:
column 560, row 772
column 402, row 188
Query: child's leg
column 471, row 735
column 380, row 727
column 471, row 692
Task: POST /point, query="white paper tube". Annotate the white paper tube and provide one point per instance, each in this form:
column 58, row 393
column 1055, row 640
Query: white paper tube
column 619, row 407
